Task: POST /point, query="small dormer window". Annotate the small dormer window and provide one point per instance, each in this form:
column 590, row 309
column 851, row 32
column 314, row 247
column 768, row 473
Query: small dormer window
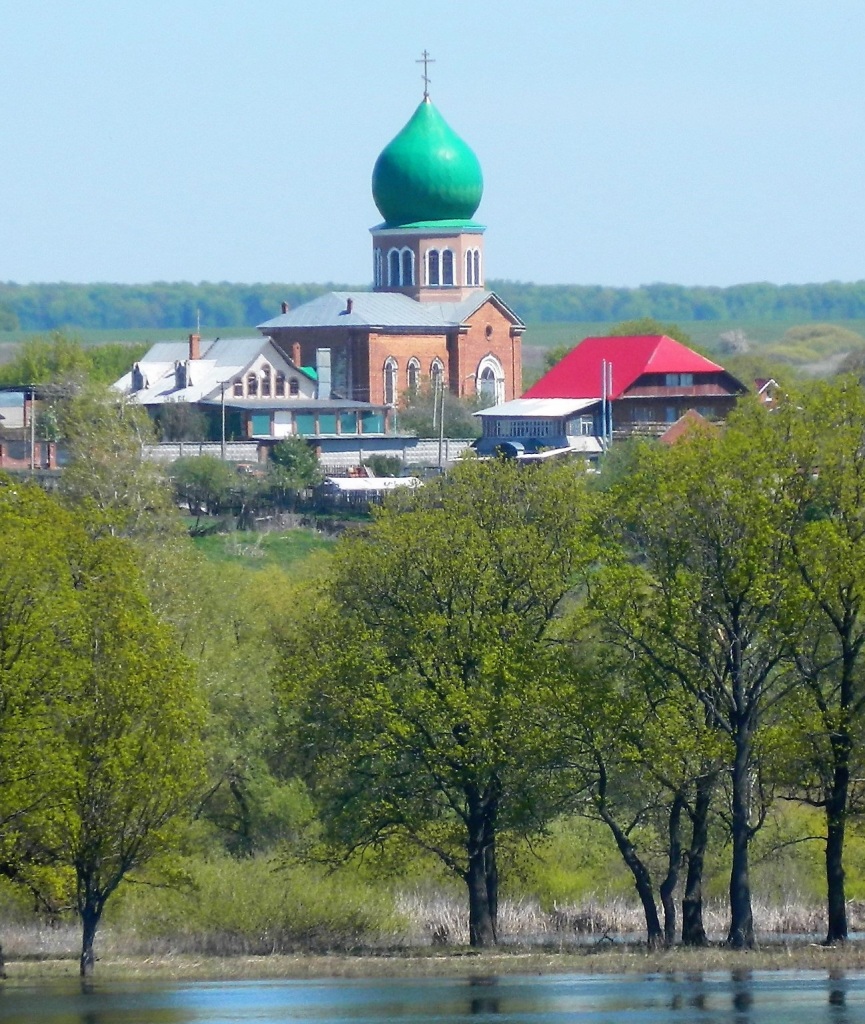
column 180, row 375
column 138, row 381
column 280, row 385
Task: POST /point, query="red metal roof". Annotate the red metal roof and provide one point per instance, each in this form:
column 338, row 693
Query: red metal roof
column 578, row 375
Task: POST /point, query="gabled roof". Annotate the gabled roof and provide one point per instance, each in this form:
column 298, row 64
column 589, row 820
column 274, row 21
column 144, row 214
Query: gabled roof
column 578, row 375
column 221, row 360
column 382, row 310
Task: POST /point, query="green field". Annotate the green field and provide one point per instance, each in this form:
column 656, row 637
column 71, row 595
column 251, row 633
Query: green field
column 284, row 549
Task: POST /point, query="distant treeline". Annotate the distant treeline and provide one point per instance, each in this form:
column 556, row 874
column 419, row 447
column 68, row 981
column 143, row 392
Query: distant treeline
column 45, row 307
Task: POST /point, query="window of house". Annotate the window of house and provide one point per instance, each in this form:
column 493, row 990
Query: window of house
column 390, row 372
column 393, row 268
column 294, row 387
column 490, row 380
column 670, row 415
column 674, row 380
column 470, row 268
column 280, row 384
column 265, row 382
column 252, row 386
column 432, row 268
column 447, row 268
column 407, row 267
column 238, row 389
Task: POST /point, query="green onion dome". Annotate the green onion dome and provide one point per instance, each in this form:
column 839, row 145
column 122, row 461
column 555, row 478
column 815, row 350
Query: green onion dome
column 427, row 173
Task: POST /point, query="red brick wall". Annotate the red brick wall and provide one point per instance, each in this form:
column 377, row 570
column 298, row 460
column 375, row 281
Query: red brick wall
column 489, row 333
column 424, row 347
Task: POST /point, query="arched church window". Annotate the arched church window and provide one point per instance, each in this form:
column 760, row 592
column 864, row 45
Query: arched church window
column 407, row 267
column 377, row 268
column 265, row 382
column 432, row 268
column 413, row 376
column 447, row 267
column 490, row 381
column 280, row 384
column 393, row 268
column 252, row 386
column 473, row 267
column 390, row 371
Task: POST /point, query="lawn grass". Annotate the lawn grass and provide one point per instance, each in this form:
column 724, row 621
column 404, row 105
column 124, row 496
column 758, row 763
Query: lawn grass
column 282, row 549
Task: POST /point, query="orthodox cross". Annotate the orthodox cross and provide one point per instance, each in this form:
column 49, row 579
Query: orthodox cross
column 426, row 60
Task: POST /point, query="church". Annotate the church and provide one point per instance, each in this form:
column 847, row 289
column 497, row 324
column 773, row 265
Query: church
column 335, row 369
column 429, row 319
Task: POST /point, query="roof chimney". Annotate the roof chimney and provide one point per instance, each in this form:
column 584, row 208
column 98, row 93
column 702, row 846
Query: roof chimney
column 194, row 346
column 285, row 307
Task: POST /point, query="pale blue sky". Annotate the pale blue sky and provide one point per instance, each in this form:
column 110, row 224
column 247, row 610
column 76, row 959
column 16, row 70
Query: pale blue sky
column 622, row 141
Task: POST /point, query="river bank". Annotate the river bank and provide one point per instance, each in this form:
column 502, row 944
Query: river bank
column 454, row 963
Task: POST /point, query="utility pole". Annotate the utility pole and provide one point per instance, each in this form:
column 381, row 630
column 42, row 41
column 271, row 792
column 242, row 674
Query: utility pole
column 32, row 429
column 222, row 402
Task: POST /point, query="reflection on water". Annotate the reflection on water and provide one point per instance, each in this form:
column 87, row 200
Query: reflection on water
column 743, row 997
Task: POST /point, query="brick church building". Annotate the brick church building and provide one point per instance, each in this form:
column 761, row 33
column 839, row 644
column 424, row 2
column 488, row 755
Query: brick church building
column 428, row 317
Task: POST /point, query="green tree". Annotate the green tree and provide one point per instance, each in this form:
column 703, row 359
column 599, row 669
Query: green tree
column 422, row 681
column 131, row 737
column 38, row 628
column 705, row 597
column 822, row 429
column 181, row 421
column 297, row 462
column 649, row 325
column 203, row 483
column 109, row 469
column 421, row 411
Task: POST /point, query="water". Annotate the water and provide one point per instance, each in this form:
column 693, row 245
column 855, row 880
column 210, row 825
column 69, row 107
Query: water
column 778, row 997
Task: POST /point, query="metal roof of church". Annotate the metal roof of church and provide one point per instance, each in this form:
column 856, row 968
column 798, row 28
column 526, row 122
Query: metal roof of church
column 386, row 310
column 578, row 375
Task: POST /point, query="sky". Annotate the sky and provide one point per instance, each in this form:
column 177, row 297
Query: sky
column 623, row 142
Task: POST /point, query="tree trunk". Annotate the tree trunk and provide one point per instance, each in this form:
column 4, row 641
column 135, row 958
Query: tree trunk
column 89, row 923
column 674, row 863
column 482, row 930
column 482, row 877
column 491, row 871
column 693, row 930
column 836, row 820
column 741, row 934
column 642, row 879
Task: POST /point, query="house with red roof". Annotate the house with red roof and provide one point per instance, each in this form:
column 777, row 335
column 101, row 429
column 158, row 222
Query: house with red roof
column 610, row 387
